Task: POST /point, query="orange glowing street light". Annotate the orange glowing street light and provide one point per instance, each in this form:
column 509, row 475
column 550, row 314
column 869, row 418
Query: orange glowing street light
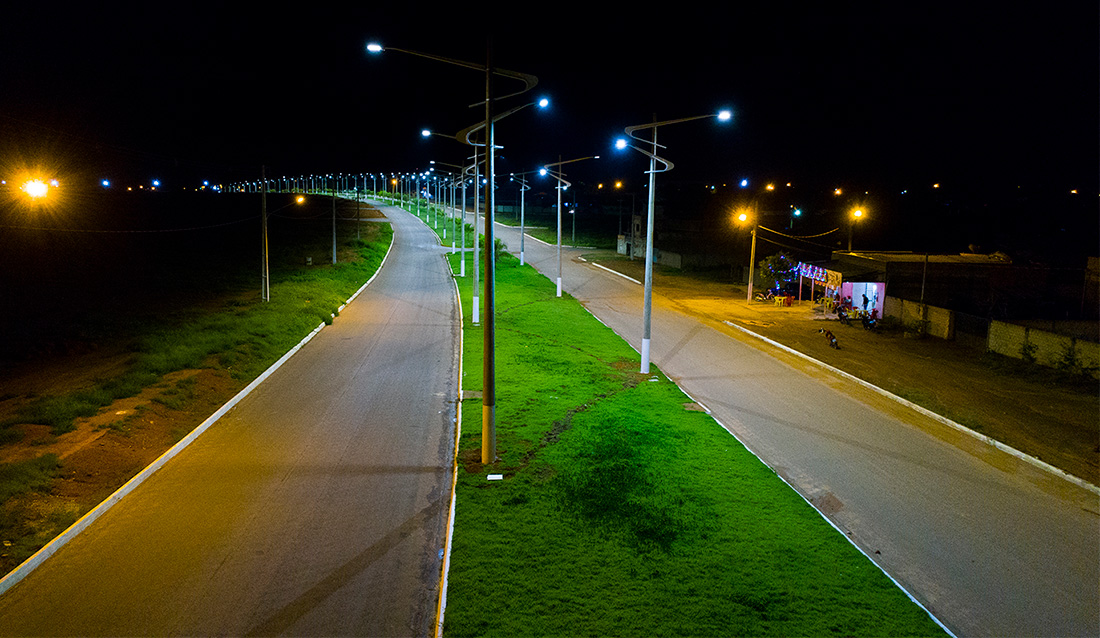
column 857, row 215
column 35, row 188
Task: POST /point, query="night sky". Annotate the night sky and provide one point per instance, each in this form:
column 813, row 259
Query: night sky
column 878, row 97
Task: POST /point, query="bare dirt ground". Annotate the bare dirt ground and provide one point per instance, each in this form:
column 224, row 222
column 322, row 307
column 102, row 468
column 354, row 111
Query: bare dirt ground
column 1042, row 415
column 102, row 452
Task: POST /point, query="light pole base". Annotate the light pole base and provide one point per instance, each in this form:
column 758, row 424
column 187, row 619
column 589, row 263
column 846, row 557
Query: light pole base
column 645, row 356
column 476, row 313
column 559, row 286
column 488, row 434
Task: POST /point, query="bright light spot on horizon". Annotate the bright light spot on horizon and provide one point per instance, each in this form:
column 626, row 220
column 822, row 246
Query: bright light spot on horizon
column 620, row 143
column 543, row 103
column 744, row 183
column 725, row 116
column 374, row 47
column 36, row 188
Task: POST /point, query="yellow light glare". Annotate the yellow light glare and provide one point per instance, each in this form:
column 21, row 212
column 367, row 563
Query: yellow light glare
column 36, row 188
column 301, row 199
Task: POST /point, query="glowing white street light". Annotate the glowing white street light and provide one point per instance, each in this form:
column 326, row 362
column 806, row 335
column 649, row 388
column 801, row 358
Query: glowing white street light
column 723, row 116
column 563, row 184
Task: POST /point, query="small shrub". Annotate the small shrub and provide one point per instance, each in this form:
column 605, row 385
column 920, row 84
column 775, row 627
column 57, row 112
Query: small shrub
column 1028, row 350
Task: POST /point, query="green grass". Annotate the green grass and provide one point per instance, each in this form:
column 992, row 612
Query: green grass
column 621, row 513
column 30, row 475
column 244, row 338
column 26, row 522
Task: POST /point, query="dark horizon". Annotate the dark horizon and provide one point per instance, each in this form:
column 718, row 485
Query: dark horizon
column 998, row 105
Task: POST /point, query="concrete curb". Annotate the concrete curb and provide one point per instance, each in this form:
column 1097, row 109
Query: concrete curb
column 785, row 481
column 29, row 565
column 1043, row 465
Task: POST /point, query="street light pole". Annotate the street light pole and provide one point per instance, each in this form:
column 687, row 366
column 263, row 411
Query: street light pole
column 856, row 216
column 653, row 159
column 334, row 225
column 488, row 429
column 265, row 273
column 562, row 185
column 489, row 383
column 523, row 188
column 752, row 260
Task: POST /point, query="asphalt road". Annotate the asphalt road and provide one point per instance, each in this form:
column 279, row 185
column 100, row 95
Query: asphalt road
column 991, row 545
column 317, row 506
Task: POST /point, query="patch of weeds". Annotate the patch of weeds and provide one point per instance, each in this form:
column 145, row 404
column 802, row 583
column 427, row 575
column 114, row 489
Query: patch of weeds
column 1028, row 350
column 178, row 395
column 125, row 425
column 28, row 522
column 26, row 476
column 10, row 434
column 1072, row 364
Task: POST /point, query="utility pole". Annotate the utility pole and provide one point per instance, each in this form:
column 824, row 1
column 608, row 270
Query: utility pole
column 265, row 274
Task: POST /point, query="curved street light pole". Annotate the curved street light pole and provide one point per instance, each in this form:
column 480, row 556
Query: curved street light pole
column 653, row 159
column 523, row 188
column 488, row 409
column 563, row 184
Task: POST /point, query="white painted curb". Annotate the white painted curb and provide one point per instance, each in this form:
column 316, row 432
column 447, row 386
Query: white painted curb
column 29, row 565
column 1043, row 465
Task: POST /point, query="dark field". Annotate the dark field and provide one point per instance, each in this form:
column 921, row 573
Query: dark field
column 85, row 267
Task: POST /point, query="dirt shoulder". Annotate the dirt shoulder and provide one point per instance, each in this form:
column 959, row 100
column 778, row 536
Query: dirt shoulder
column 1043, row 415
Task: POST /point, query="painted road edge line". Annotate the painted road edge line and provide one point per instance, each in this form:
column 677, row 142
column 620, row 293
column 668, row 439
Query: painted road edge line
column 446, row 567
column 615, row 272
column 1037, row 462
column 59, row 541
column 788, row 483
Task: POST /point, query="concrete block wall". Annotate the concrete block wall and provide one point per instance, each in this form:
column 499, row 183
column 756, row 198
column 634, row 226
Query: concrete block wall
column 941, row 322
column 1048, row 348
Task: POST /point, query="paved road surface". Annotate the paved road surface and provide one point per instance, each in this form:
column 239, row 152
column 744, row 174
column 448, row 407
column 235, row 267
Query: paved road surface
column 317, row 506
column 992, row 546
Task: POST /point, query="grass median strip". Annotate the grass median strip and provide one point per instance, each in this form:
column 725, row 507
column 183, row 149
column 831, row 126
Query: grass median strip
column 623, row 512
